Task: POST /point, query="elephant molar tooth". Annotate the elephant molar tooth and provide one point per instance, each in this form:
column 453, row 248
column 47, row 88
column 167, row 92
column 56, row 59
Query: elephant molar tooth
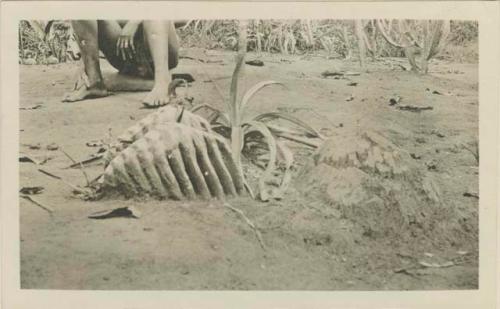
column 174, row 160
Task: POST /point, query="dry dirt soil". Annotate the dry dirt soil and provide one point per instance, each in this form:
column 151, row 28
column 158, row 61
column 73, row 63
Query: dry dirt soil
column 179, row 245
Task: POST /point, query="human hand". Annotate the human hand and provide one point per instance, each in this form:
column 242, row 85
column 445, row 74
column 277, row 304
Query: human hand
column 125, row 44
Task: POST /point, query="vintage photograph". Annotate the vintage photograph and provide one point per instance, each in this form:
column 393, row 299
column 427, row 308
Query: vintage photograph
column 260, row 154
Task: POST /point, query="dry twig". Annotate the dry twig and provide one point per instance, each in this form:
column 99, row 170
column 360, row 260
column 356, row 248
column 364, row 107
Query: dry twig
column 29, row 198
column 76, row 188
column 79, row 163
column 250, row 223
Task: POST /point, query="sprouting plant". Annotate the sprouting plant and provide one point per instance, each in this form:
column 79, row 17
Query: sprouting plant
column 426, row 38
column 247, row 133
column 366, row 36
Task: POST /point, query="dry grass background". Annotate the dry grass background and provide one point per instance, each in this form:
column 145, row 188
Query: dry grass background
column 45, row 42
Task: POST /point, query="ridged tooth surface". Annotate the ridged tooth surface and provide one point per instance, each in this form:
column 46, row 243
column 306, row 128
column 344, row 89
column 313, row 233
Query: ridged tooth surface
column 177, row 165
column 207, row 169
column 176, row 161
column 134, row 168
column 188, row 154
column 170, row 138
column 122, row 180
column 218, row 162
column 167, row 176
column 236, row 173
column 147, row 159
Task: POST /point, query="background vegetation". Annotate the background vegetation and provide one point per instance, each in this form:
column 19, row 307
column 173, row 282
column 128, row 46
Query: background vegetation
column 48, row 42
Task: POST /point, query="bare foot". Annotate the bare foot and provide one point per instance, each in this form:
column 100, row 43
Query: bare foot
column 159, row 96
column 83, row 92
column 84, row 89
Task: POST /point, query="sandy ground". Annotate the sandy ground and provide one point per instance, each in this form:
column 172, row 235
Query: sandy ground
column 203, row 245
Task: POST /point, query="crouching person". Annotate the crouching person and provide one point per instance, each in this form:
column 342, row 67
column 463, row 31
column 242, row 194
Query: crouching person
column 139, row 49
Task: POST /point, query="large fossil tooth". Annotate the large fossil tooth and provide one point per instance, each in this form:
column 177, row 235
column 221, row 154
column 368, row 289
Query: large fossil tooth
column 177, row 161
column 166, row 114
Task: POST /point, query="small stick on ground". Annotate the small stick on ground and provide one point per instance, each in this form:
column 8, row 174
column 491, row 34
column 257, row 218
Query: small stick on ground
column 201, row 60
column 250, row 223
column 216, row 78
column 249, row 189
column 297, row 139
column 76, row 188
column 29, row 198
column 81, row 166
column 86, row 161
column 324, row 117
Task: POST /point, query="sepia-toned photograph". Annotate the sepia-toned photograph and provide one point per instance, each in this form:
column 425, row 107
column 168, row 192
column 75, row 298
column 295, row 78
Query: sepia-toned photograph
column 259, row 154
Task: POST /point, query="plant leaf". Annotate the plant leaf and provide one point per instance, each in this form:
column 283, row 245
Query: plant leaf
column 287, row 175
column 234, row 106
column 276, row 115
column 256, row 88
column 271, row 142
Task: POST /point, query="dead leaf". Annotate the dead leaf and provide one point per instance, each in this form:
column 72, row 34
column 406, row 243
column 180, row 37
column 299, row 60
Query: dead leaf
column 437, row 133
column 94, row 143
column 33, row 146
column 122, row 212
column 395, row 100
column 26, row 158
column 257, row 63
column 471, row 194
column 415, row 156
column 52, row 147
column 332, row 73
column 415, row 109
column 32, row 190
column 30, row 107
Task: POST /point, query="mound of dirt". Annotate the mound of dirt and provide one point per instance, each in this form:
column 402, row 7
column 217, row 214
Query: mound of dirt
column 378, row 187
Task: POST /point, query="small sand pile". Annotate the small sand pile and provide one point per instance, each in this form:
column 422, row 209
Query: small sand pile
column 378, row 187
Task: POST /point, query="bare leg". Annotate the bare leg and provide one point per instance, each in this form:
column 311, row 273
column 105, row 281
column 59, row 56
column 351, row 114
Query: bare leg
column 163, row 46
column 109, row 32
column 103, row 35
column 87, row 37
